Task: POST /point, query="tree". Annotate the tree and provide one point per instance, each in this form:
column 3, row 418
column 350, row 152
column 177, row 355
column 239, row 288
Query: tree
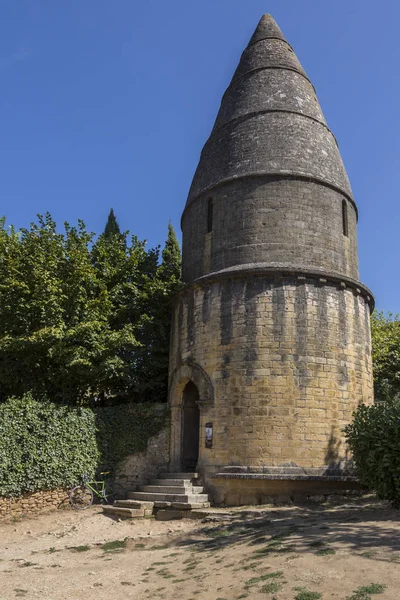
column 374, row 437
column 385, row 329
column 84, row 321
column 153, row 353
column 171, row 257
column 112, row 226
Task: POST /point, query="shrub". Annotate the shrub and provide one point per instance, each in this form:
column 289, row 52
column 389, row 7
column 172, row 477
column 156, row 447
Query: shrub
column 44, row 445
column 374, row 439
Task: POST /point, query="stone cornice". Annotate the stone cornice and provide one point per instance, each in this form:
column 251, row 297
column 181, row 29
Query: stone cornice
column 276, row 271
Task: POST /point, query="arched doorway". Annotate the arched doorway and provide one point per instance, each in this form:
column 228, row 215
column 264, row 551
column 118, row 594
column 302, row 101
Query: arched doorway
column 191, row 428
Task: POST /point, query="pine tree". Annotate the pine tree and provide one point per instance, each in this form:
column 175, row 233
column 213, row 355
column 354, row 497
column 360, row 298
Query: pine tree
column 112, row 226
column 171, row 257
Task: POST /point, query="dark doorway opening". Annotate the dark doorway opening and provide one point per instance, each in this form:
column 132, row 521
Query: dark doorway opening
column 191, row 428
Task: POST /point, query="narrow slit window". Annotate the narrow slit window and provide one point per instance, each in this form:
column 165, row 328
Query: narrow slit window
column 345, row 220
column 209, row 215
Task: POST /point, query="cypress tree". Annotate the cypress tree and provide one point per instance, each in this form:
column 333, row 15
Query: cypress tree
column 171, row 257
column 112, row 226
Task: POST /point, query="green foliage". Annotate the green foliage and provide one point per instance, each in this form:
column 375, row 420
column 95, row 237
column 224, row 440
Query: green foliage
column 385, row 331
column 44, row 445
column 124, row 430
column 374, row 439
column 84, row 322
column 112, row 227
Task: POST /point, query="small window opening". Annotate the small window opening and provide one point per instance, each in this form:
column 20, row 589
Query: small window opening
column 345, row 219
column 209, row 215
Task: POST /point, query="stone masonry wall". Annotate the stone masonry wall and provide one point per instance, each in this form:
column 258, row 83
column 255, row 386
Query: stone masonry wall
column 135, row 469
column 32, row 504
column 262, row 220
column 288, row 360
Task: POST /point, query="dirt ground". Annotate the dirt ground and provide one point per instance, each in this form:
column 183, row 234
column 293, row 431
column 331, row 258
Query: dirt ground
column 283, row 553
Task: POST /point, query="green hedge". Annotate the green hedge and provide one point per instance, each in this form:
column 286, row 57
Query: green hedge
column 374, row 439
column 44, row 445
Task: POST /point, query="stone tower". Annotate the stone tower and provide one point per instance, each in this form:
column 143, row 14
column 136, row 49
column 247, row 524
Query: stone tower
column 270, row 348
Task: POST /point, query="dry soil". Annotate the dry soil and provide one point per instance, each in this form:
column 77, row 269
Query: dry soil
column 255, row 552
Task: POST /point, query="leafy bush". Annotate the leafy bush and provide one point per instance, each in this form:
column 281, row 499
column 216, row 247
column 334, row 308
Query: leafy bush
column 374, row 439
column 124, row 430
column 44, row 445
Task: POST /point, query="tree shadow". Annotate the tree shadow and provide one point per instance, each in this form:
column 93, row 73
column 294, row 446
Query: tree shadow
column 359, row 528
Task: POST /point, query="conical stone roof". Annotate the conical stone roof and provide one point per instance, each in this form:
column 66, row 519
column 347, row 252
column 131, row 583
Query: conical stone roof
column 269, row 122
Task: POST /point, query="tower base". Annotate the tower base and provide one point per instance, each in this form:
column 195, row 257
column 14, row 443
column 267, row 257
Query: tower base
column 239, row 486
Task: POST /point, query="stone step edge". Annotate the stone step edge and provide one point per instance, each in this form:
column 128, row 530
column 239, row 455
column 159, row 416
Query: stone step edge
column 171, row 482
column 136, row 504
column 152, row 497
column 173, row 489
column 178, row 475
column 125, row 512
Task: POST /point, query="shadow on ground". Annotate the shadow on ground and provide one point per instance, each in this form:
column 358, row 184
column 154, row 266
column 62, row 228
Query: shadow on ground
column 362, row 528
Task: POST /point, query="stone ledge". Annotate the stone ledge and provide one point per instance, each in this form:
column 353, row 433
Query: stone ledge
column 285, row 477
column 282, row 270
column 287, row 473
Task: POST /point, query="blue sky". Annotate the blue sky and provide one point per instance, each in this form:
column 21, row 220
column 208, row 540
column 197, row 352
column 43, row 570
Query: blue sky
column 108, row 104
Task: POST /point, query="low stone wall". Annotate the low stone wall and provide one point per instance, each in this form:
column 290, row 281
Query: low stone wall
column 136, row 469
column 32, row 504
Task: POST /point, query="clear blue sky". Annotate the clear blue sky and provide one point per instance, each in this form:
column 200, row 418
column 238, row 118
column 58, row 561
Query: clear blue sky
column 108, row 103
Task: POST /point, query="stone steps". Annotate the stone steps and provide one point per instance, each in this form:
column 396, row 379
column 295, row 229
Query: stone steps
column 154, row 497
column 164, row 489
column 124, row 512
column 171, row 496
column 172, row 482
column 178, row 476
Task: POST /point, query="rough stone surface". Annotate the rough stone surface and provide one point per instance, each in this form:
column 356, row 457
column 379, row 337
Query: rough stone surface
column 268, row 220
column 33, row 503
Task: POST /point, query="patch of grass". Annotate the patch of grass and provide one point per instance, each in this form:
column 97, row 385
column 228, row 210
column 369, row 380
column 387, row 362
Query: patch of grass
column 159, row 547
column 84, row 548
column 364, row 592
column 317, row 543
column 52, row 550
column 178, row 580
column 114, row 546
column 126, row 583
column 172, row 554
column 305, row 594
column 325, row 552
column 274, row 543
column 373, row 588
column 165, row 573
column 271, row 588
column 254, row 580
column 161, row 563
column 242, row 596
column 138, row 546
column 369, row 554
column 249, row 567
column 27, row 564
column 216, row 533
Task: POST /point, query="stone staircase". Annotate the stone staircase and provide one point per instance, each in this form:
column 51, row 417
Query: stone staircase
column 172, row 495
